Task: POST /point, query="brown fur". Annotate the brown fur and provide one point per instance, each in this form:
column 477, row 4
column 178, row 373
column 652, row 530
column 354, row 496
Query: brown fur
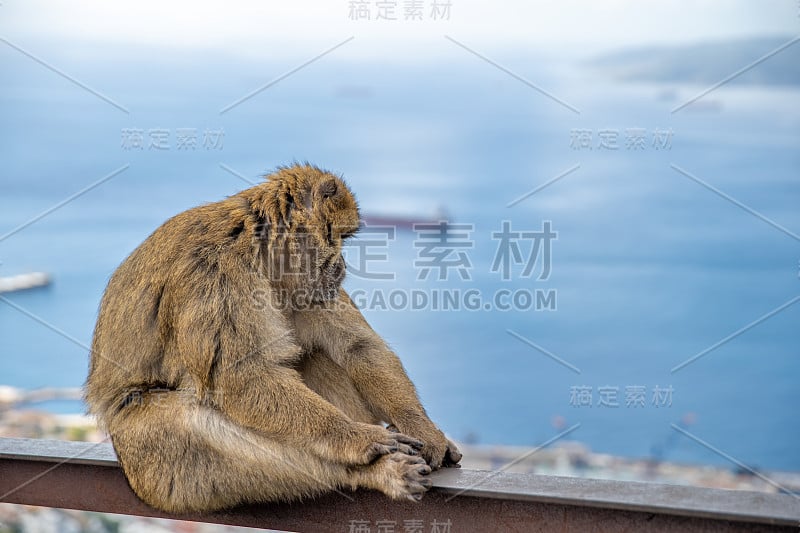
column 229, row 366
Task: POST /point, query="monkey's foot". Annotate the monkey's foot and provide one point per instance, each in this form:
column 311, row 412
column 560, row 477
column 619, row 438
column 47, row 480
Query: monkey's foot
column 453, row 456
column 401, row 476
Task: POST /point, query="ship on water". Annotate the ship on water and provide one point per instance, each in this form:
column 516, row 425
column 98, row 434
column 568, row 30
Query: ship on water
column 23, row 282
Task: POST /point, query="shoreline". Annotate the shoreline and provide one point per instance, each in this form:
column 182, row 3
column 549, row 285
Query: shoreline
column 564, row 458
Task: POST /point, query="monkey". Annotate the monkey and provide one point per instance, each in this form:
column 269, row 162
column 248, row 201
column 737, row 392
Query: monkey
column 229, row 366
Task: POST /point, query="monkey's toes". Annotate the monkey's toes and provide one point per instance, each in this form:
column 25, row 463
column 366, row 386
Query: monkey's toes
column 417, row 483
column 400, row 476
column 414, row 477
column 452, row 456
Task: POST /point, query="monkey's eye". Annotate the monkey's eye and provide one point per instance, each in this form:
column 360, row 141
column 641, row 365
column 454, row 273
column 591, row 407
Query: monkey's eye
column 347, row 234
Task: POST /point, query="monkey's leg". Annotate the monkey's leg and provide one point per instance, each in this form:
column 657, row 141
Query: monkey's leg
column 250, row 370
column 331, row 381
column 376, row 372
column 182, row 457
column 322, row 375
column 273, row 400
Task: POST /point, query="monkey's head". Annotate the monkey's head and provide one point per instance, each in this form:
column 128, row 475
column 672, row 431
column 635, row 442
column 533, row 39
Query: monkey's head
column 306, row 215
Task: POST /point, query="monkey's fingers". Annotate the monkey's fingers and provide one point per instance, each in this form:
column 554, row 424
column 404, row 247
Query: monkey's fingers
column 393, row 443
column 405, row 444
column 405, row 449
column 410, row 441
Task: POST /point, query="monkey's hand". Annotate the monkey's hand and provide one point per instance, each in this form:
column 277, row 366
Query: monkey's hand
column 381, row 441
column 438, row 451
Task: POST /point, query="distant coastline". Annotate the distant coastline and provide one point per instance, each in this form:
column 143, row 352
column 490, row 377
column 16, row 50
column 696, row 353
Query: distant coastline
column 18, row 418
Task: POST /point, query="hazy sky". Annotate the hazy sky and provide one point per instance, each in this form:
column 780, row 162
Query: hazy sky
column 248, row 27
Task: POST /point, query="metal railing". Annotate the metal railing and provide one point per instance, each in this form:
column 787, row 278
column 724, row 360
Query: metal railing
column 86, row 476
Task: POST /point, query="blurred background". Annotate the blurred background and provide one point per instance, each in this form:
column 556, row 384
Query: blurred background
column 659, row 141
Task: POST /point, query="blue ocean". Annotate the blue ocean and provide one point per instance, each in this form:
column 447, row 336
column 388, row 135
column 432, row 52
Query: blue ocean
column 669, row 297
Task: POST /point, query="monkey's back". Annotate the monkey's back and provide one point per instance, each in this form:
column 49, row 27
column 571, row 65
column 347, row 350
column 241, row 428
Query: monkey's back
column 133, row 345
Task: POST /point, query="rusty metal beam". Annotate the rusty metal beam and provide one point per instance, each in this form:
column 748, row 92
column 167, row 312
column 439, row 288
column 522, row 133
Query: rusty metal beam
column 86, row 476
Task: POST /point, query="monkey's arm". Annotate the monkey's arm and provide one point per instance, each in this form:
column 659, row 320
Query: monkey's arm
column 272, row 399
column 377, row 373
